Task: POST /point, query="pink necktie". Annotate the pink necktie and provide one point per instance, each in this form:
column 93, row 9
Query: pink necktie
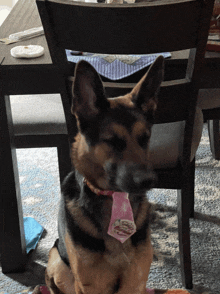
column 122, row 224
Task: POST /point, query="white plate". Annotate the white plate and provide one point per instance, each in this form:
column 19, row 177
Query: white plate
column 30, row 51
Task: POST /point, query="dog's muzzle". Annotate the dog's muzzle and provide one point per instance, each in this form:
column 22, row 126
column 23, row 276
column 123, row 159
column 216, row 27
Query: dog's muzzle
column 130, row 177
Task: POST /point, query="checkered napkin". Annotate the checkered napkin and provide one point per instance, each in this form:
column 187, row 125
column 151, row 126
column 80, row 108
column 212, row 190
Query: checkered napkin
column 116, row 67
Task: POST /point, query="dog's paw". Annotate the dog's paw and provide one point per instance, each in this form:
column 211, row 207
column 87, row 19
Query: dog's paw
column 41, row 289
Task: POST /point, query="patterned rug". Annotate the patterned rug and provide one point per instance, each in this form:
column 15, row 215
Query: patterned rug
column 44, row 290
column 38, row 171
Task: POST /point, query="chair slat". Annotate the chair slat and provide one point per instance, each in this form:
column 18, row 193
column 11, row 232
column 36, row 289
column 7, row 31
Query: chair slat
column 125, row 25
column 173, row 99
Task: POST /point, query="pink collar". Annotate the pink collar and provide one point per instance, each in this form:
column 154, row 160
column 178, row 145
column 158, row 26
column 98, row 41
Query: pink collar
column 121, row 225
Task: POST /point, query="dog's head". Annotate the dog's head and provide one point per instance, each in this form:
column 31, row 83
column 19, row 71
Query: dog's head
column 111, row 148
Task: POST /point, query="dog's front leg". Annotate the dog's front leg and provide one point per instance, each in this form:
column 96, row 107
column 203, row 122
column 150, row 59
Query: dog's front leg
column 92, row 273
column 97, row 278
column 135, row 278
column 58, row 275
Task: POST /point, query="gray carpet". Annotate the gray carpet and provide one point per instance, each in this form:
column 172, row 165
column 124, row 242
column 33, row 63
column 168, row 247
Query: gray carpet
column 40, row 190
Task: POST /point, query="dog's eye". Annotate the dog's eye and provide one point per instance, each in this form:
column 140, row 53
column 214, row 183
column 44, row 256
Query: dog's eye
column 143, row 140
column 117, row 143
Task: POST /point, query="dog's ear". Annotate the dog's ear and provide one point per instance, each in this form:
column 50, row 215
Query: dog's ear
column 144, row 94
column 88, row 93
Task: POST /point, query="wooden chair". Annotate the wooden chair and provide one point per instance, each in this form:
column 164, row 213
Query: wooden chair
column 209, row 102
column 143, row 28
column 39, row 121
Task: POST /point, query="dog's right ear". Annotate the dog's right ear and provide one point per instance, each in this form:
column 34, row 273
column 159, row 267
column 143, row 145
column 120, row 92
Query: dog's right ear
column 144, row 94
column 88, row 93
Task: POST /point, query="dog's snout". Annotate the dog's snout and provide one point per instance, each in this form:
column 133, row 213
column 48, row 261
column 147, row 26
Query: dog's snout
column 144, row 179
column 130, row 177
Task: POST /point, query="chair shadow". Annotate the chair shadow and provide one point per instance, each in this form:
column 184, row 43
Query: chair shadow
column 207, row 218
column 172, row 261
column 32, row 276
column 197, row 215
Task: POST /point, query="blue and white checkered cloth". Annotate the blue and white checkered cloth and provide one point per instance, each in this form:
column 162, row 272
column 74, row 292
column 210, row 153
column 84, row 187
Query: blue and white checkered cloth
column 116, row 69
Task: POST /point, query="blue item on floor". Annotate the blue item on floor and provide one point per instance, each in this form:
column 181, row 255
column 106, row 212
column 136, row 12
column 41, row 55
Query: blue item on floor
column 33, row 232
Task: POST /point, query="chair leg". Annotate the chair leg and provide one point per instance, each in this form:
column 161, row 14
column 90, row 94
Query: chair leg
column 12, row 239
column 184, row 241
column 64, row 161
column 214, row 138
column 184, row 209
column 191, row 192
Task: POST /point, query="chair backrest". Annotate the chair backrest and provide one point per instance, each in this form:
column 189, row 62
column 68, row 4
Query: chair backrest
column 124, row 29
column 140, row 28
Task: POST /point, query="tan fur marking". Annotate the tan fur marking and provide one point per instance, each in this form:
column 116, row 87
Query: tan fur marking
column 59, row 277
column 120, row 130
column 123, row 100
column 141, row 213
column 102, row 152
column 87, row 163
column 81, row 145
column 139, row 128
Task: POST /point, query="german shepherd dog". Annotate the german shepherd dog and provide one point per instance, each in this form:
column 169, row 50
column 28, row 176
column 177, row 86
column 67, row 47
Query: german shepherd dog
column 110, row 158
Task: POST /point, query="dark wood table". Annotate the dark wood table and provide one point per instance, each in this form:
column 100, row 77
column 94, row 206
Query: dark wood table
column 38, row 76
column 17, row 76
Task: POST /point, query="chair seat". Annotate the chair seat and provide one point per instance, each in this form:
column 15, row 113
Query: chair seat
column 38, row 114
column 209, row 98
column 43, row 114
column 166, row 142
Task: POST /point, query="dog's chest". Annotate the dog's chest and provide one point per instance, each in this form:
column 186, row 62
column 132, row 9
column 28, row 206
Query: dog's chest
column 118, row 254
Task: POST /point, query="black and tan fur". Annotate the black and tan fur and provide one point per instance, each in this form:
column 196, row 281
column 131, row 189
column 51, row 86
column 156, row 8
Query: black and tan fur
column 111, row 152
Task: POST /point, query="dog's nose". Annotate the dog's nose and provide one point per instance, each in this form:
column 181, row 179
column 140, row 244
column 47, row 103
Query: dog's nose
column 144, row 179
column 131, row 177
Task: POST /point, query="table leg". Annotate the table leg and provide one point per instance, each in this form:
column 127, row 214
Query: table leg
column 12, row 238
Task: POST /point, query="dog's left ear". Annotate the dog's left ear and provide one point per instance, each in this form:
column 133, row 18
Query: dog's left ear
column 144, row 94
column 88, row 93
